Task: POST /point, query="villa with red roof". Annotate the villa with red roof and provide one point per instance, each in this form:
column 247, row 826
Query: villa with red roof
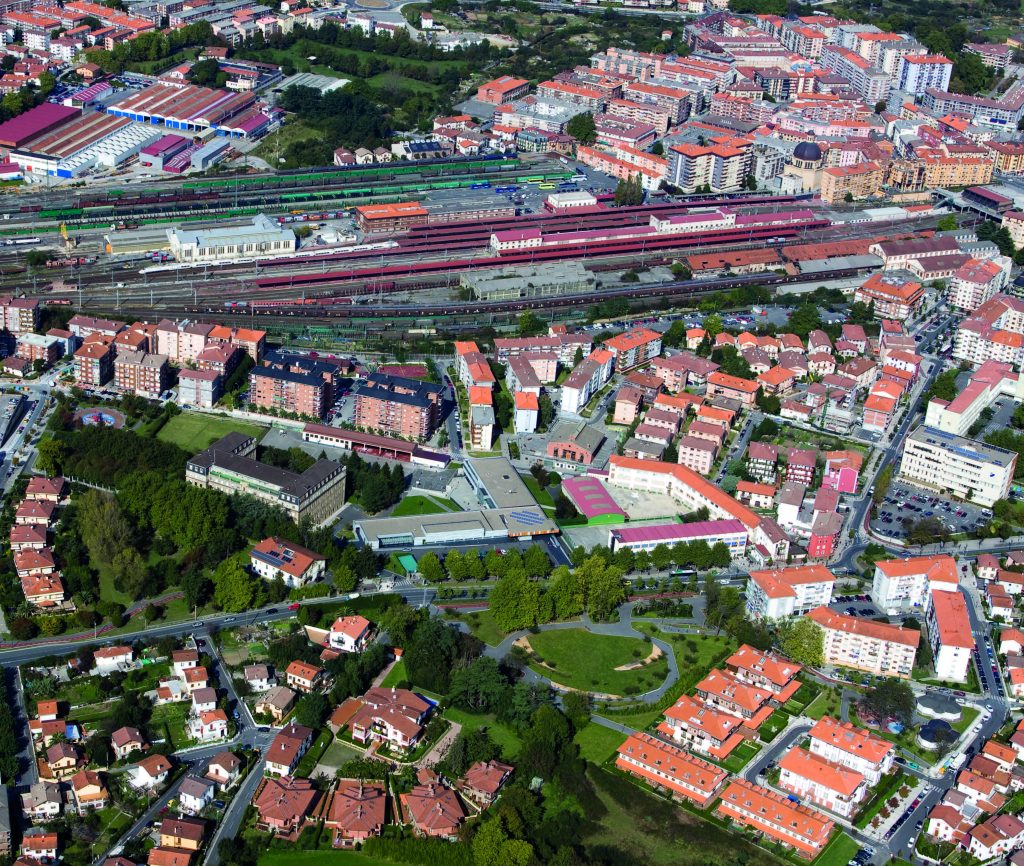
column 356, row 812
column 434, row 811
column 852, row 747
column 349, row 634
column 727, row 692
column 666, row 766
column 702, row 728
column 829, row 785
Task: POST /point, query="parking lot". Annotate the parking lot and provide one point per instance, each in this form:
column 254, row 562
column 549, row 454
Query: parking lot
column 855, row 605
column 906, row 501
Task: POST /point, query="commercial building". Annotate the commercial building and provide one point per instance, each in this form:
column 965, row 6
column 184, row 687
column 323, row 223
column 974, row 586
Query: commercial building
column 864, row 645
column 964, row 468
column 265, row 238
column 731, row 533
column 796, row 826
column 529, row 281
column 845, row 744
column 507, row 510
column 141, row 373
column 826, row 784
column 300, row 393
column 784, row 592
column 397, row 406
column 949, row 629
column 667, row 766
column 903, row 585
column 190, row 108
column 229, row 466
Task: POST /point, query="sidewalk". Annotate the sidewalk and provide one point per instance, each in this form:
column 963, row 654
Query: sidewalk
column 878, row 833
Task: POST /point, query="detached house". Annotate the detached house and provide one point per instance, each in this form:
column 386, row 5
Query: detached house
column 435, row 811
column 393, row 716
column 357, row 812
column 287, row 749
column 150, row 772
column 90, row 792
column 224, row 769
column 209, row 726
column 124, row 741
column 305, row 677
column 349, row 634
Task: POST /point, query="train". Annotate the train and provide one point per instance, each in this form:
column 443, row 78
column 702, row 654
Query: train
column 767, row 235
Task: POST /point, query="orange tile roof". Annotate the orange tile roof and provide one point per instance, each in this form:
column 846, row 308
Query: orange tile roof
column 734, row 383
column 695, row 714
column 632, row 339
column 816, row 769
column 480, row 395
column 853, row 740
column 832, row 621
column 729, row 688
column 806, row 829
column 952, row 620
column 937, row 568
column 775, row 668
column 683, row 770
column 776, row 375
column 527, row 400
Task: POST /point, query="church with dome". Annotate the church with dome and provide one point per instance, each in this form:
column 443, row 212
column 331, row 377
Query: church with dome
column 803, row 173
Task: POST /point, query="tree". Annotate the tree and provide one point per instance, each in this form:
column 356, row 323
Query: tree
column 582, row 128
column 479, row 687
column 629, row 191
column 530, row 324
column 430, row 567
column 493, row 847
column 545, row 412
column 947, row 223
column 515, row 602
column 431, row 654
column 805, row 319
column 803, row 641
column 311, row 710
column 891, row 698
column 577, row 706
column 50, row 456
column 536, row 561
column 204, row 73
column 848, row 197
column 565, row 593
column 234, row 588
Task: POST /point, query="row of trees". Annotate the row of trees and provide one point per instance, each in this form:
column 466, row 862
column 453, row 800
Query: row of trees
column 470, row 566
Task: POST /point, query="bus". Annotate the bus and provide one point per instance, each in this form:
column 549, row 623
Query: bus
column 567, row 185
column 534, row 180
column 546, row 186
column 483, row 185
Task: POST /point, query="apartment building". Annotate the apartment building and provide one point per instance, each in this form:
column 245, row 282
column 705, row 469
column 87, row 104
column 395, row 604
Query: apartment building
column 301, row 393
column 94, row 363
column 398, row 406
column 181, row 342
column 702, row 728
column 199, row 388
column 965, row 468
column 894, row 295
column 794, row 825
column 878, row 648
column 949, row 629
column 976, row 282
column 696, row 454
column 766, row 670
column 19, row 315
column 141, row 373
column 503, row 90
column 678, row 101
column 918, row 72
column 634, row 348
column 722, row 167
column 38, row 347
column 858, row 749
column 903, row 585
column 791, row 591
column 666, row 766
column 829, row 785
column 841, row 183
column 994, row 332
column 724, row 691
column 582, row 384
column 743, row 391
column 868, row 80
column 762, row 461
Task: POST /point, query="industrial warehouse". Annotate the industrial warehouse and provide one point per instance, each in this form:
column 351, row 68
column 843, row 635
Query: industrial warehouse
column 65, row 141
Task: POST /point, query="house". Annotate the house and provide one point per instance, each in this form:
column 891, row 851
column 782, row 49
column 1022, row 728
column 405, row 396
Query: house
column 434, row 810
column 224, row 769
column 160, row 856
column 305, row 677
column 357, row 812
column 183, row 660
column 48, row 732
column 43, row 802
column 195, row 794
column 349, row 634
column 1011, row 640
column 44, row 489
column 196, row 678
column 184, row 833
column 394, row 716
column 483, row 780
column 797, row 826
column 47, row 711
column 204, row 701
column 259, row 678
column 276, row 703
column 40, row 845
column 89, row 791
column 112, row 658
column 32, row 512
column 124, row 741
column 150, row 772
column 274, row 558
column 287, row 749
column 283, row 805
column 63, row 760
column 997, row 836
column 209, row 726
column 170, row 690
column 832, row 786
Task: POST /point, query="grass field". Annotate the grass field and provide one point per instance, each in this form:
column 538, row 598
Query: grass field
column 826, row 704
column 598, row 743
column 395, row 675
column 539, row 493
column 338, row 753
column 742, row 755
column 482, row 624
column 585, row 661
column 837, row 852
column 503, row 735
column 175, row 717
column 417, row 505
column 195, row 432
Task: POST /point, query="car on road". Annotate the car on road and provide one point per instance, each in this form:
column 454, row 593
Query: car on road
column 294, row 606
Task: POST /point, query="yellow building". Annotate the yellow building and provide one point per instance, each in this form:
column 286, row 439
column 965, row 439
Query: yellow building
column 858, row 181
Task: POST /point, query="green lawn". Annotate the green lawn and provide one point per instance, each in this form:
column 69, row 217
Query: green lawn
column 312, row 757
column 338, row 753
column 503, row 735
column 539, row 493
column 598, row 743
column 826, row 704
column 174, row 717
column 195, row 432
column 838, row 852
column 395, row 675
column 482, row 624
column 416, row 505
column 773, row 727
column 585, row 661
column 967, row 717
column 742, row 755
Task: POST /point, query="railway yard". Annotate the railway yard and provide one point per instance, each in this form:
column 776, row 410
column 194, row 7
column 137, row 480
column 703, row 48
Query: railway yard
column 355, row 279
